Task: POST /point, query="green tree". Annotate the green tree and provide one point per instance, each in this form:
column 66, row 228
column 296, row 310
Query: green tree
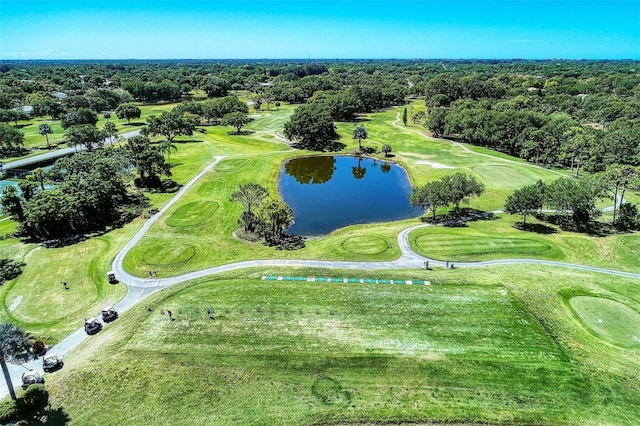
column 84, row 134
column 404, row 116
column 251, row 195
column 617, row 179
column 128, row 111
column 276, row 217
column 147, row 159
column 360, row 133
column 78, row 117
column 171, row 124
column 525, row 201
column 13, row 343
column 386, row 148
column 235, row 119
column 460, row 187
column 311, row 126
column 436, row 121
column 430, row 196
column 11, row 139
column 45, row 130
column 110, row 131
column 12, row 203
column 575, row 197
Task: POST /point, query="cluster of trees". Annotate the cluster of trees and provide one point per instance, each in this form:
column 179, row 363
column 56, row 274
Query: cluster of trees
column 264, row 216
column 453, row 189
column 568, row 115
column 84, row 193
column 574, row 201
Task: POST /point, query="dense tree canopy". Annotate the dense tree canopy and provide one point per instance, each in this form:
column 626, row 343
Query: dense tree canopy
column 311, row 127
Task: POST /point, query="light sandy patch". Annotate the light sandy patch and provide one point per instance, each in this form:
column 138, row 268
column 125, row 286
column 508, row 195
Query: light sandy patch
column 435, row 165
column 15, row 303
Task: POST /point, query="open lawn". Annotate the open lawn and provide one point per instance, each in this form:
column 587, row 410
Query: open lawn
column 474, row 347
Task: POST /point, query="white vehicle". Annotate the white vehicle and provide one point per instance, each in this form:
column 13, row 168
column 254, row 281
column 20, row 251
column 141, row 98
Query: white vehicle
column 109, row 314
column 92, row 326
column 31, row 377
column 51, row 362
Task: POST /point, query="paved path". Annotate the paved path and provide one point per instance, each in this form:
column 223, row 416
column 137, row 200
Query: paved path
column 139, row 288
column 50, row 155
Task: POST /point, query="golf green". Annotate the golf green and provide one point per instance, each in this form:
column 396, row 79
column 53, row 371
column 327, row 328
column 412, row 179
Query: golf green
column 612, row 321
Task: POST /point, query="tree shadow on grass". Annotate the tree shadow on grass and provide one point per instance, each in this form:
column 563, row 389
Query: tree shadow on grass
column 459, row 219
column 47, row 416
column 538, row 228
column 135, row 124
column 240, row 133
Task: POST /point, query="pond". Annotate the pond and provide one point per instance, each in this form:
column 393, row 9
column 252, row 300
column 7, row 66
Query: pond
column 330, row 192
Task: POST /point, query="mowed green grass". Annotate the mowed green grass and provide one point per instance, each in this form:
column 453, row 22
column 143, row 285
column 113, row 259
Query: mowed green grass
column 498, row 238
column 613, row 321
column 470, row 350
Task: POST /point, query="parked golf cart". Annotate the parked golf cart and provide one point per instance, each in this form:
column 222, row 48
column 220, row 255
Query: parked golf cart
column 111, row 276
column 51, row 362
column 31, row 377
column 109, row 314
column 92, row 326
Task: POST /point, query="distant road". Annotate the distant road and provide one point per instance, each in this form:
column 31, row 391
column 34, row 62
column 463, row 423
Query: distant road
column 51, row 155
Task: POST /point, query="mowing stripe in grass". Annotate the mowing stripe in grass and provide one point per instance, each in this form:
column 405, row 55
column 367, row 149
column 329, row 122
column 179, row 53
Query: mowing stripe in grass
column 344, row 280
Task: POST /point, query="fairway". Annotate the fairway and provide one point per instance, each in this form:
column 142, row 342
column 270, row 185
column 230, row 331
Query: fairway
column 304, row 353
column 610, row 320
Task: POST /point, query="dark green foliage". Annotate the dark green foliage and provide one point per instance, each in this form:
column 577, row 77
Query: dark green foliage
column 576, row 198
column 128, row 111
column 84, row 134
column 9, row 269
column 214, row 109
column 89, row 194
column 11, row 139
column 629, row 217
column 311, row 127
column 526, row 200
column 171, row 124
column 236, row 119
column 147, row 159
column 79, row 116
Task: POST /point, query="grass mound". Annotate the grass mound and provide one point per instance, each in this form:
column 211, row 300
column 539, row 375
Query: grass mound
column 169, row 254
column 366, row 244
column 192, row 214
column 610, row 320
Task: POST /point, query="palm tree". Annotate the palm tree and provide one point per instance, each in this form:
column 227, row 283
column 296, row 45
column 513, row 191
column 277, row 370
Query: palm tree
column 360, row 133
column 110, row 130
column 13, row 344
column 45, row 130
column 168, row 146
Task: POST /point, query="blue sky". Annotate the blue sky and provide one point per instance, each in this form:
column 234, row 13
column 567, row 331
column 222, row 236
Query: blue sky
column 223, row 29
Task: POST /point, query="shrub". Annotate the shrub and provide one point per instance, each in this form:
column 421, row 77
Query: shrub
column 8, row 410
column 38, row 347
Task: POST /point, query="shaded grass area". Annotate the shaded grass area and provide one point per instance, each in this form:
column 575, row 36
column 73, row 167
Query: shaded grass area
column 471, row 348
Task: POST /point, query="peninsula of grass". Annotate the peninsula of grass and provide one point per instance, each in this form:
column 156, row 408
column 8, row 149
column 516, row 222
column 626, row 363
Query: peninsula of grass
column 496, row 346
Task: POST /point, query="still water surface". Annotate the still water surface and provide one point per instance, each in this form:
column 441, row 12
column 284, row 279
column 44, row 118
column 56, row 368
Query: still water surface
column 330, row 192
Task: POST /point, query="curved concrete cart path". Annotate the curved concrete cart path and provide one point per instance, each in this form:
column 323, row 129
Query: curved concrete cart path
column 139, row 288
